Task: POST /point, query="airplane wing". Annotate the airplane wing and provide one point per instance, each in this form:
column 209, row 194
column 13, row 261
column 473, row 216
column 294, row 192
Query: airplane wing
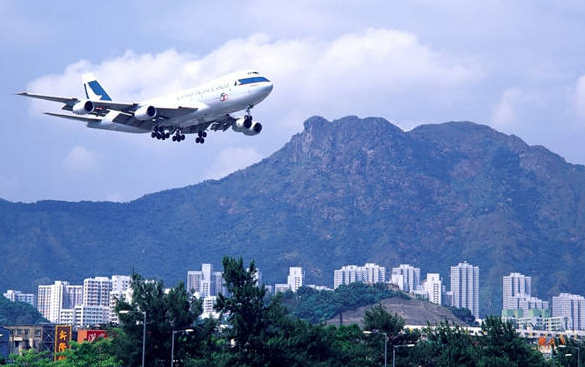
column 102, row 107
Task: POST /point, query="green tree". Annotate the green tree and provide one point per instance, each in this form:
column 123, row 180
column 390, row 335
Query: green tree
column 383, row 324
column 89, row 354
column 502, row 346
column 32, row 358
column 447, row 345
column 165, row 312
column 246, row 310
column 18, row 313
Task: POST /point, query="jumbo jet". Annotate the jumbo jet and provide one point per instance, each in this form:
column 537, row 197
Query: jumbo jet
column 191, row 111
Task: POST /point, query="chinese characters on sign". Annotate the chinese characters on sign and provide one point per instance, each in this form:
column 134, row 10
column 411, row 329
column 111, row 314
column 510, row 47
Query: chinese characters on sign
column 62, row 340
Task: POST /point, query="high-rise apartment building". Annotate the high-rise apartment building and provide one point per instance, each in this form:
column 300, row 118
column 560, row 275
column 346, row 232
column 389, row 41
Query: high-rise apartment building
column 96, row 291
column 465, row 287
column 571, row 308
column 53, row 298
column 433, row 287
column 406, row 277
column 369, row 273
column 515, row 284
column 18, row 296
column 295, row 278
column 121, row 290
column 206, row 282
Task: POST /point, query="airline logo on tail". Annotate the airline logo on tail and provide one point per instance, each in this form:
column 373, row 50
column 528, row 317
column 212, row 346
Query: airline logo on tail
column 93, row 89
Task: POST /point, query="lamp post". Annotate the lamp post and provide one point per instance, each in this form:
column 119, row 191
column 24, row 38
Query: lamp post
column 578, row 353
column 123, row 312
column 367, row 332
column 173, row 343
column 394, row 352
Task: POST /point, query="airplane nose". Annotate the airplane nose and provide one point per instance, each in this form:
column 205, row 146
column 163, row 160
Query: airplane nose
column 268, row 88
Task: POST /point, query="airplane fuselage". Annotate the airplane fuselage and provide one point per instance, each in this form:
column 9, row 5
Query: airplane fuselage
column 217, row 98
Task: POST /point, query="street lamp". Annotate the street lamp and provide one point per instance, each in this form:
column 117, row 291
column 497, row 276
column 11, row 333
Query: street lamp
column 173, row 343
column 569, row 355
column 123, row 312
column 394, row 352
column 367, row 332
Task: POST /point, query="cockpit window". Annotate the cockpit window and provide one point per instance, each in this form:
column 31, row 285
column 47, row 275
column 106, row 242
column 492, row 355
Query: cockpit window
column 253, row 72
column 257, row 79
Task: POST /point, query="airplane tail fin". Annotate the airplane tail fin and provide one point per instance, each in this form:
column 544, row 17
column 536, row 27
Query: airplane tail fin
column 93, row 89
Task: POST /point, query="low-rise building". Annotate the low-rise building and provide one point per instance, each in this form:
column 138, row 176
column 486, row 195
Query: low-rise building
column 18, row 296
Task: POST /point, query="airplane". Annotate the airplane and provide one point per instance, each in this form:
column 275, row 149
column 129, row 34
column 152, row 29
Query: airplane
column 191, row 111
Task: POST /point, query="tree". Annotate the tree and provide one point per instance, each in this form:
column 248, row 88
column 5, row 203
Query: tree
column 31, row 358
column 246, row 311
column 385, row 324
column 165, row 312
column 447, row 345
column 502, row 346
column 89, row 354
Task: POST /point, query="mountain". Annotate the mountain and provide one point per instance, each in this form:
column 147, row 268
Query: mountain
column 344, row 192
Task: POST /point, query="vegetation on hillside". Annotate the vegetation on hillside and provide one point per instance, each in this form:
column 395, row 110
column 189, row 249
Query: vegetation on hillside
column 317, row 306
column 18, row 313
column 261, row 332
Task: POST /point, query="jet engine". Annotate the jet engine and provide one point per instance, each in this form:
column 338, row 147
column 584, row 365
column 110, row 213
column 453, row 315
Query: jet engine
column 145, row 113
column 83, row 107
column 254, row 129
column 242, row 124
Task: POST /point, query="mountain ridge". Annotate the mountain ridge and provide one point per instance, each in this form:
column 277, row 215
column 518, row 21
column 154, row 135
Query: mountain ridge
column 347, row 191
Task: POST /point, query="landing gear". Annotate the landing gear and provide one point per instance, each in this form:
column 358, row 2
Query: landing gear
column 201, row 137
column 178, row 136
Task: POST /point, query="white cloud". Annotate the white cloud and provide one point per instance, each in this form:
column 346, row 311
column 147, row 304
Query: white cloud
column 230, row 160
column 354, row 73
column 508, row 111
column 580, row 97
column 80, row 159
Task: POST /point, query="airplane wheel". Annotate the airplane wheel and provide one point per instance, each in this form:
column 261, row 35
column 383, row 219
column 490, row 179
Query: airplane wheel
column 153, row 134
column 167, row 135
column 202, row 140
column 157, row 135
column 174, row 138
column 182, row 137
column 204, row 134
column 197, row 140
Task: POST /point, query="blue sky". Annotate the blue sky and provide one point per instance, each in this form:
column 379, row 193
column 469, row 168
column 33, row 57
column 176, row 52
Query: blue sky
column 516, row 66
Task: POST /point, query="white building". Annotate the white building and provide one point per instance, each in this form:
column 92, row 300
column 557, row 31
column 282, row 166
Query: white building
column 570, row 307
column 295, row 278
column 208, row 311
column 18, row 296
column 369, row 273
column 53, row 298
column 465, row 287
column 86, row 315
column 121, row 290
column 96, row 291
column 513, row 285
column 433, row 286
column 406, row 277
column 524, row 302
column 279, row 287
column 206, row 282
